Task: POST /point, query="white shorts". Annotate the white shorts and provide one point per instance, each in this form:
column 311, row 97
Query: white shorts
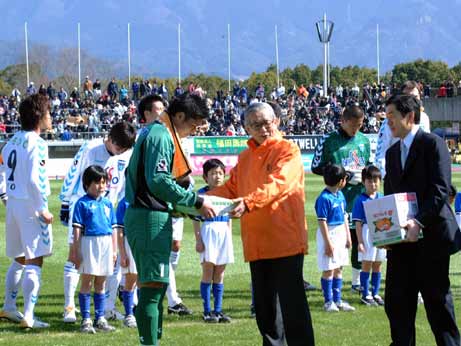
column 131, row 269
column 372, row 253
column 97, row 256
column 70, row 229
column 340, row 257
column 217, row 238
column 26, row 235
column 178, row 228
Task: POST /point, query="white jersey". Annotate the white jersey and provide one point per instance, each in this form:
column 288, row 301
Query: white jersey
column 115, row 168
column 385, row 140
column 24, row 169
column 90, row 153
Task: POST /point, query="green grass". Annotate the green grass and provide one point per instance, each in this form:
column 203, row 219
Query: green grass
column 366, row 326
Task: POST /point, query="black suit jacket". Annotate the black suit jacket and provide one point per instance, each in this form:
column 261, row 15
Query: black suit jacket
column 427, row 172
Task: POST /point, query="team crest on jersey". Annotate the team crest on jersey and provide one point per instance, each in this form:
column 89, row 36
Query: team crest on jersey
column 162, row 166
column 75, row 162
column 42, row 163
column 121, row 165
column 354, row 160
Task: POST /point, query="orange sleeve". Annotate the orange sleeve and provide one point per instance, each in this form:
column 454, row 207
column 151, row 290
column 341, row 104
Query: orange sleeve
column 229, row 189
column 284, row 178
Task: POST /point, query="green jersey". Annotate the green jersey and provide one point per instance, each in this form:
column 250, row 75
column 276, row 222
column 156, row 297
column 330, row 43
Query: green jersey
column 156, row 147
column 353, row 153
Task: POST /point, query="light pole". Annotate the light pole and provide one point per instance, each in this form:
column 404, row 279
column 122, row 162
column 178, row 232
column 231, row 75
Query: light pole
column 324, row 30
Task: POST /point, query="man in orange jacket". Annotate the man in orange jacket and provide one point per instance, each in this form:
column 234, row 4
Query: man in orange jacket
column 268, row 183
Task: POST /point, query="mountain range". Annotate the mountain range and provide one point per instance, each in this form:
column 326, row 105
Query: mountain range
column 408, row 29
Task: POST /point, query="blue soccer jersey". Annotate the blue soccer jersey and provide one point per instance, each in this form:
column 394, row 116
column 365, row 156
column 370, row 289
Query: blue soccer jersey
column 458, row 203
column 95, row 217
column 358, row 212
column 120, row 214
column 331, row 207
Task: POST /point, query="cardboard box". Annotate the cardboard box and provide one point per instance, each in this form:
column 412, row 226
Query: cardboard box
column 222, row 206
column 386, row 214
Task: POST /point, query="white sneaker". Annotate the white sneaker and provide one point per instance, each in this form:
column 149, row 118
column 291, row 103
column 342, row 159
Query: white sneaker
column 13, row 316
column 130, row 321
column 33, row 324
column 345, row 306
column 113, row 315
column 69, row 315
column 103, row 326
column 330, row 307
column 86, row 326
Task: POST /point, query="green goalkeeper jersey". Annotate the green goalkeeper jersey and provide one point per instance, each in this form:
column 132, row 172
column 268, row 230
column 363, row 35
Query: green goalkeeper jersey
column 353, row 153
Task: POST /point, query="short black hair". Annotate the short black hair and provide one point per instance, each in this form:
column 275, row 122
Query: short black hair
column 146, row 104
column 452, row 191
column 123, row 134
column 333, row 174
column 193, row 106
column 31, row 110
column 353, row 111
column 93, row 174
column 213, row 163
column 406, row 104
column 371, row 172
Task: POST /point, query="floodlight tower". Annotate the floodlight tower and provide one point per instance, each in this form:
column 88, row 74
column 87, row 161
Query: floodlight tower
column 324, row 31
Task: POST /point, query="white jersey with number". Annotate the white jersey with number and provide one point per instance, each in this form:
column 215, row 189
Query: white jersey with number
column 90, row 153
column 115, row 168
column 24, row 169
column 385, row 140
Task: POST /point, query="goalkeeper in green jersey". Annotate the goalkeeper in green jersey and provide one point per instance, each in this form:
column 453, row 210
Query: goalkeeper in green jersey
column 350, row 148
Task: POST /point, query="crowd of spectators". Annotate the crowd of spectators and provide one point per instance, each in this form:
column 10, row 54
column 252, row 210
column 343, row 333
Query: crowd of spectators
column 90, row 110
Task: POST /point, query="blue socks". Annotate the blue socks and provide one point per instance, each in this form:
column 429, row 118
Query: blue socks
column 365, row 283
column 85, row 304
column 99, row 302
column 205, row 292
column 128, row 302
column 337, row 286
column 375, row 282
column 218, row 290
column 327, row 288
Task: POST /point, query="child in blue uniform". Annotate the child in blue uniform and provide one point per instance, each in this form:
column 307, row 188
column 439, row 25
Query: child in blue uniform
column 370, row 256
column 214, row 243
column 333, row 237
column 94, row 247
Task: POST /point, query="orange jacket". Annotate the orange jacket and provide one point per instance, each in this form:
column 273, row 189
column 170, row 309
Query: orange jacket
column 270, row 178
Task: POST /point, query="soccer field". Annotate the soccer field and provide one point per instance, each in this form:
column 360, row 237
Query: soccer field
column 367, row 326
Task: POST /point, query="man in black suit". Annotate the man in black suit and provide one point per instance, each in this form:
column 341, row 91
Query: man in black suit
column 420, row 163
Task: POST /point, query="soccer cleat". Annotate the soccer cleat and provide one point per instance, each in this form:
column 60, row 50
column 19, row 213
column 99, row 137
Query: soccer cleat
column 344, row 306
column 330, row 307
column 222, row 318
column 369, row 301
column 252, row 312
column 208, row 317
column 179, row 309
column 33, row 324
column 308, row 286
column 103, row 326
column 87, row 326
column 356, row 289
column 113, row 315
column 378, row 300
column 130, row 321
column 69, row 315
column 13, row 316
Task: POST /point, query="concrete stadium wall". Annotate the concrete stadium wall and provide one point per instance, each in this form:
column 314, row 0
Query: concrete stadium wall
column 443, row 109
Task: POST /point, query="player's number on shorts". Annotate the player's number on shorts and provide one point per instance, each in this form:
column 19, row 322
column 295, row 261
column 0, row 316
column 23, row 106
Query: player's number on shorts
column 12, row 164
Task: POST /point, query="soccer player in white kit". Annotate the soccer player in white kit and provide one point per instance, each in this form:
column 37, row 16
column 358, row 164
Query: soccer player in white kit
column 28, row 220
column 95, row 152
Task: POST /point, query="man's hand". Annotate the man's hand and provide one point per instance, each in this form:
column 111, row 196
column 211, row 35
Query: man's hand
column 64, row 214
column 413, row 229
column 239, row 209
column 361, row 247
column 46, row 217
column 206, row 210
